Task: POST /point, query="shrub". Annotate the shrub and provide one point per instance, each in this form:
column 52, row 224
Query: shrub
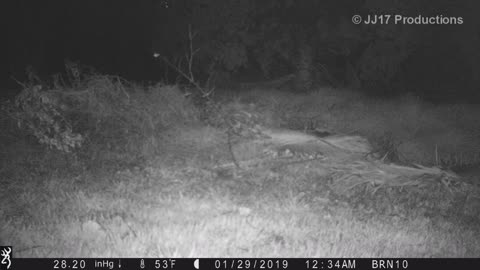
column 42, row 115
column 101, row 118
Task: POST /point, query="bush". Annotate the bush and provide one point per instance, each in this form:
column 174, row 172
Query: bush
column 41, row 114
column 102, row 119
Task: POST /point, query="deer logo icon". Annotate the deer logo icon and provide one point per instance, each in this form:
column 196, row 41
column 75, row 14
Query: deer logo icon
column 5, row 253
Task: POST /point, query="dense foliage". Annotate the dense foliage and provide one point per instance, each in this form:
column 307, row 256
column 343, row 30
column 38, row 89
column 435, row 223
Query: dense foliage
column 318, row 41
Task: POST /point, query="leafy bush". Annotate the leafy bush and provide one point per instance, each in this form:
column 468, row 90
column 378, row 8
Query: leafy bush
column 42, row 115
column 101, row 118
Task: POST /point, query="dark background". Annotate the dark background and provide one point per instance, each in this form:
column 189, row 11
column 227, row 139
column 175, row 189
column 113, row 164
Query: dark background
column 271, row 37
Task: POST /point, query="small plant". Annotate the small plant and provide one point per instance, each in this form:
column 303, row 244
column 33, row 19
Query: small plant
column 43, row 112
column 388, row 148
column 40, row 113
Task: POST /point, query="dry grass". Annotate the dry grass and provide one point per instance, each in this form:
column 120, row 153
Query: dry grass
column 177, row 204
column 188, row 213
column 446, row 135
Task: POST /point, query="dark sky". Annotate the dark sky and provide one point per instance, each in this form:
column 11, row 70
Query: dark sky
column 107, row 34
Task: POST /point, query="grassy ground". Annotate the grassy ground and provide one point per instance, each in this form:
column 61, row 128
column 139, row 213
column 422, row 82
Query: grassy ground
column 175, row 205
column 187, row 212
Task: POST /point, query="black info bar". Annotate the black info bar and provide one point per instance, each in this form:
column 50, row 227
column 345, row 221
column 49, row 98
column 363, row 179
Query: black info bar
column 237, row 263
